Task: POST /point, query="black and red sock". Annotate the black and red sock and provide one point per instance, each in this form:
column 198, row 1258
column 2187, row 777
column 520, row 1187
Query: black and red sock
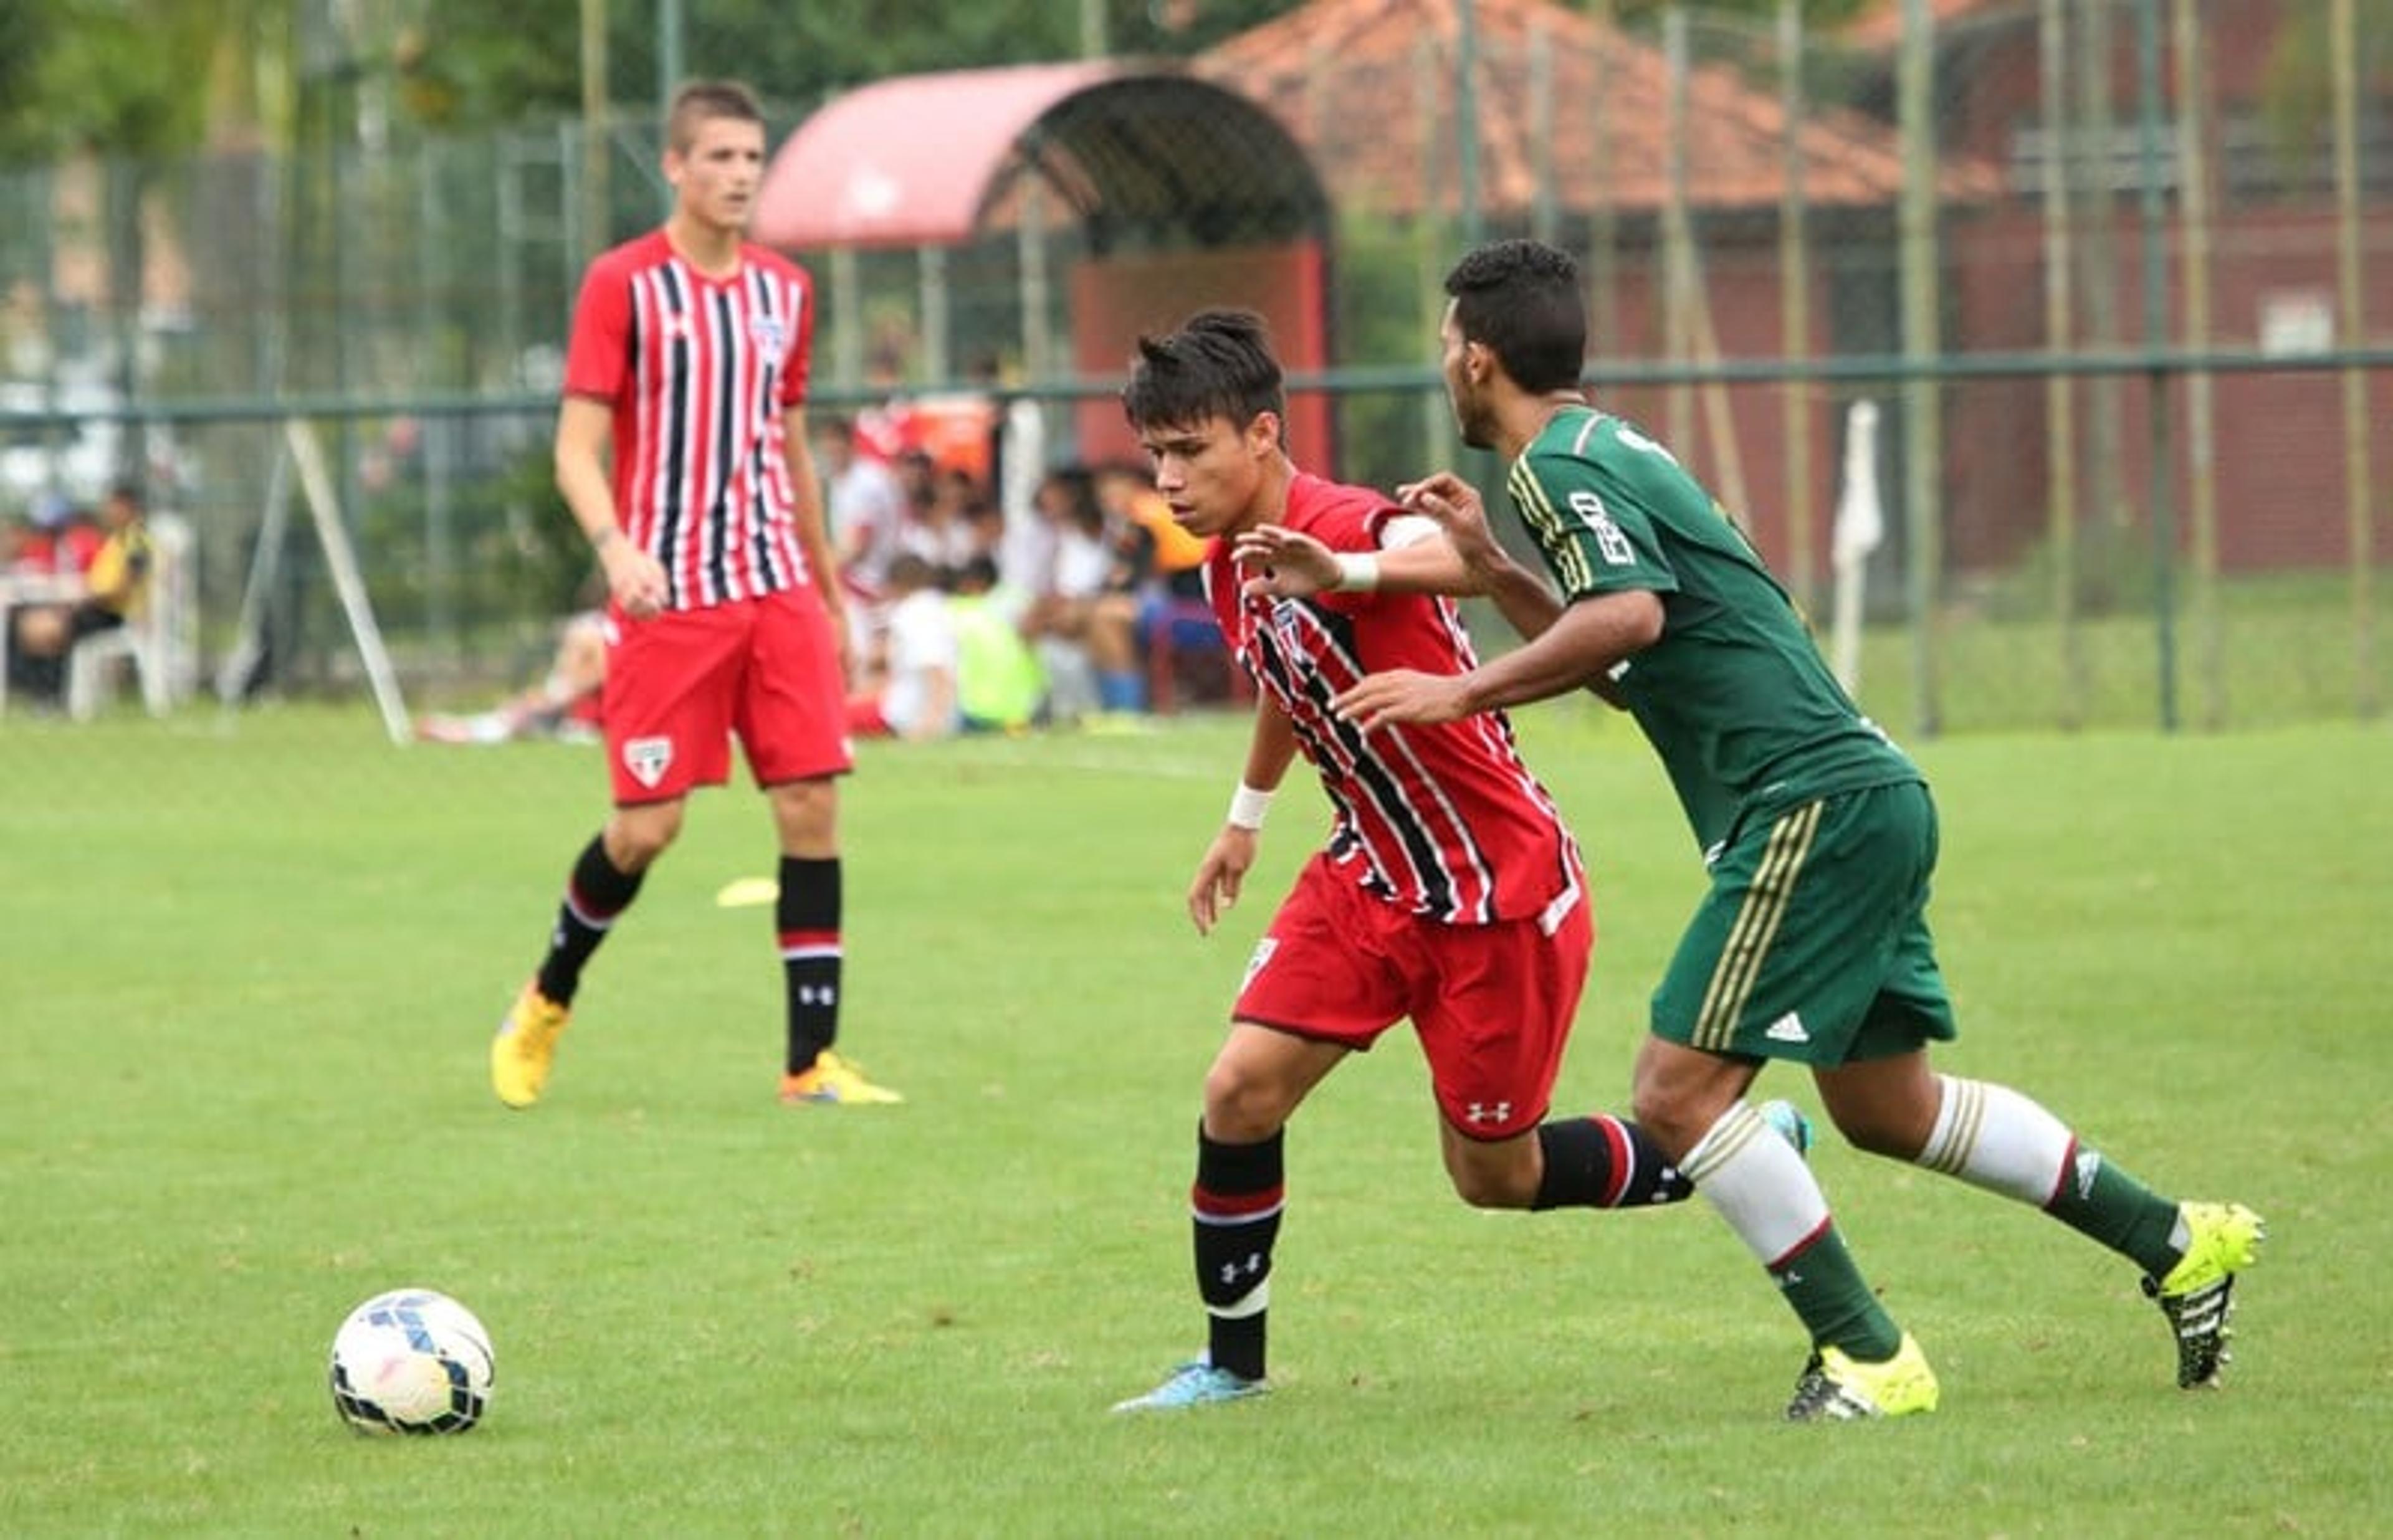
column 1604, row 1162
column 807, row 917
column 596, row 895
column 1237, row 1202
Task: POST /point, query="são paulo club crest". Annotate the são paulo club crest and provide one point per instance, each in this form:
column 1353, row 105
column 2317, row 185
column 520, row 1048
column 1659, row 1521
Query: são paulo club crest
column 769, row 335
column 646, row 758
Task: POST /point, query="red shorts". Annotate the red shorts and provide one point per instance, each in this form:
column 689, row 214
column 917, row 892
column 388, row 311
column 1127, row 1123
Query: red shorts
column 678, row 687
column 1492, row 1004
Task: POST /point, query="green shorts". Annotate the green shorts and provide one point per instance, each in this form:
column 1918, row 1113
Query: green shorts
column 1813, row 944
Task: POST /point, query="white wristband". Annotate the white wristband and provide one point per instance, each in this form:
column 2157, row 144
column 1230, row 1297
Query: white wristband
column 1248, row 808
column 1358, row 573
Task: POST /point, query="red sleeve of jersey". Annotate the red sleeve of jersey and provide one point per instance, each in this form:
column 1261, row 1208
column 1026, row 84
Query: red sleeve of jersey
column 802, row 336
column 1341, row 517
column 1344, row 518
column 598, row 353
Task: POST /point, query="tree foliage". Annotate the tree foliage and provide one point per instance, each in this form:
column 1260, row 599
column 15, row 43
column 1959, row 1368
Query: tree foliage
column 111, row 76
column 465, row 64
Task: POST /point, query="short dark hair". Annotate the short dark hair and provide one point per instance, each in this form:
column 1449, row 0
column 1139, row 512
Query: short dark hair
column 701, row 100
column 1520, row 300
column 1218, row 364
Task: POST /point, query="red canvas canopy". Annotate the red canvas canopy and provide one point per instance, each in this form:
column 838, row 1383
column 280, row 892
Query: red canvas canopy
column 909, row 162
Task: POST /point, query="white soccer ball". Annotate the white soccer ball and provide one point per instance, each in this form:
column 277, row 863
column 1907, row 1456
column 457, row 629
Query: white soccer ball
column 412, row 1361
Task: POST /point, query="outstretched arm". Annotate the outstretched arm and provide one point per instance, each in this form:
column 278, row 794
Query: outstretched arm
column 1445, row 548
column 1524, row 600
column 1580, row 648
column 1283, row 563
column 1453, row 506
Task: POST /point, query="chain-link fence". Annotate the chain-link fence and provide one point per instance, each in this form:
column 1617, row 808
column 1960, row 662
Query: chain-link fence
column 2113, row 280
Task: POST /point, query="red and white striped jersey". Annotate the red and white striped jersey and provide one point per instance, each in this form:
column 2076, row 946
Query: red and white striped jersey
column 698, row 371
column 1445, row 820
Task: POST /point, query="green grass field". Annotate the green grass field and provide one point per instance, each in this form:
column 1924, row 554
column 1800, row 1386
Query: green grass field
column 247, row 973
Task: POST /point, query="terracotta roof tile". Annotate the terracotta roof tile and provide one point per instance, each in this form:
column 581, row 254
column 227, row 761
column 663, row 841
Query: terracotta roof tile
column 1368, row 86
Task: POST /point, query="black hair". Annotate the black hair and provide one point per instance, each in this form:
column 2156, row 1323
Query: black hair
column 1520, row 300
column 1218, row 364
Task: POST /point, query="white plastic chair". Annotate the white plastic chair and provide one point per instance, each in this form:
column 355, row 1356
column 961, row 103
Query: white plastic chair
column 162, row 641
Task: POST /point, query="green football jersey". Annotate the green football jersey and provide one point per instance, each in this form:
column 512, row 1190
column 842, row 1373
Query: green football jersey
column 1734, row 696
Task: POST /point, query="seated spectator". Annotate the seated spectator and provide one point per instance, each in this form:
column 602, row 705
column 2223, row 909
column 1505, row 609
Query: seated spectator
column 72, row 535
column 911, row 688
column 1129, row 498
column 1000, row 684
column 999, row 680
column 116, row 585
column 27, row 549
column 866, row 505
column 1174, row 622
column 943, row 530
column 1085, row 623
column 563, row 705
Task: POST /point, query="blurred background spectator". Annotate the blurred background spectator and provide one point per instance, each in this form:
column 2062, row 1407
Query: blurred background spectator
column 113, row 557
column 565, row 704
column 909, row 688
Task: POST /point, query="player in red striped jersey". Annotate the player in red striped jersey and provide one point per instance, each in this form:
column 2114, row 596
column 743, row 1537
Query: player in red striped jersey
column 682, row 450
column 1449, row 892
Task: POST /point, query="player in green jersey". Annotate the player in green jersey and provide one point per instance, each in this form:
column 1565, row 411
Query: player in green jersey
column 1811, row 944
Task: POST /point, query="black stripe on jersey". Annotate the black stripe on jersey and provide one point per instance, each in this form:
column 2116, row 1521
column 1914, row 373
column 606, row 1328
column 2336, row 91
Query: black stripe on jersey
column 765, row 299
column 673, row 428
column 1364, row 766
column 730, row 345
column 1273, row 671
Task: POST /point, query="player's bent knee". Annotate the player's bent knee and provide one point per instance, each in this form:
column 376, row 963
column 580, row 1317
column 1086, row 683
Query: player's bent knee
column 1896, row 1140
column 638, row 836
column 1674, row 1119
column 1503, row 1174
column 1492, row 1186
column 1241, row 1107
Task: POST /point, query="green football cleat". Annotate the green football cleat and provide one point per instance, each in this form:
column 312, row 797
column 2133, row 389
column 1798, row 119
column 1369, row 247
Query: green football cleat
column 1837, row 1387
column 2198, row 1296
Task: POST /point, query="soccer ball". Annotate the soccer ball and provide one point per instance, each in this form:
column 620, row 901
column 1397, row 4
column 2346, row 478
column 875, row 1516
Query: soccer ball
column 412, row 1360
